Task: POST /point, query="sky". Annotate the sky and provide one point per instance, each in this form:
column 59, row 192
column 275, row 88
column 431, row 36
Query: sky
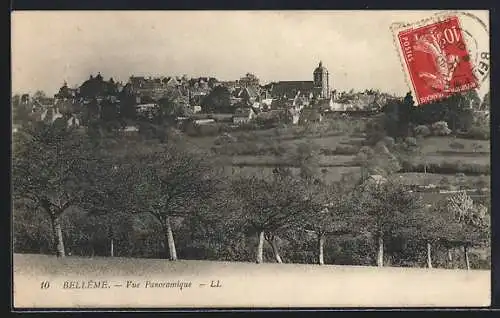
column 357, row 47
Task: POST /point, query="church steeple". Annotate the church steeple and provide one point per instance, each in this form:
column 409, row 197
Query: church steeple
column 321, row 80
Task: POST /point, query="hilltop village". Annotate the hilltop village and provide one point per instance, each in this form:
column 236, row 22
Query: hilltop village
column 202, row 100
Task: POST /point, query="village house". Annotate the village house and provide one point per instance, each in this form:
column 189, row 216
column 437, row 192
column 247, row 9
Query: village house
column 93, row 88
column 310, row 115
column 277, row 116
column 196, row 109
column 325, row 105
column 362, row 101
column 230, row 85
column 266, row 100
column 41, row 104
column 154, row 88
column 66, row 93
column 204, row 121
column 201, row 86
column 299, row 94
column 49, row 114
column 194, row 125
column 129, row 130
column 248, row 96
column 243, row 115
column 148, row 109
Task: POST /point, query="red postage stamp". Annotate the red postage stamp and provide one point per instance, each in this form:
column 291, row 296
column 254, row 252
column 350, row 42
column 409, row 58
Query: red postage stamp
column 437, row 59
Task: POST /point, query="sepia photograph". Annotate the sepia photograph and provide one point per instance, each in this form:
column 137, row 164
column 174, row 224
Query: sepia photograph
column 250, row 159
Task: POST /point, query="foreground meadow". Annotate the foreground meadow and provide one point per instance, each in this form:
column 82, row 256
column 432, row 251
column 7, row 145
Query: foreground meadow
column 187, row 283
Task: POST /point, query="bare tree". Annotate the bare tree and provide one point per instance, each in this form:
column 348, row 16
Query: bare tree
column 49, row 172
column 328, row 214
column 269, row 206
column 473, row 219
column 384, row 209
column 170, row 183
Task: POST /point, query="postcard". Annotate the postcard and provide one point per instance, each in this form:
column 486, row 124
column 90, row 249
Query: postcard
column 250, row 159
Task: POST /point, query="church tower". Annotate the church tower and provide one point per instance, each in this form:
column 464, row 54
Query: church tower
column 321, row 81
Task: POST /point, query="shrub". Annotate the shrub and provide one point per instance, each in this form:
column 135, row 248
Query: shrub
column 477, row 147
column 411, row 141
column 444, row 181
column 365, row 150
column 477, row 132
column 375, row 131
column 440, row 128
column 446, row 168
column 340, row 150
column 327, row 152
column 422, row 131
column 389, row 142
column 208, row 130
column 346, row 150
column 224, row 139
column 364, row 154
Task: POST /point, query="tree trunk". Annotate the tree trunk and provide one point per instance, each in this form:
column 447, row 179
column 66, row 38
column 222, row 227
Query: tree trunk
column 276, row 253
column 260, row 248
column 112, row 248
column 429, row 257
column 170, row 240
column 58, row 236
column 380, row 252
column 450, row 257
column 321, row 243
column 466, row 256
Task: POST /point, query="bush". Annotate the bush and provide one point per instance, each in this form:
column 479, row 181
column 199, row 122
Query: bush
column 365, row 150
column 422, row 131
column 446, row 168
column 411, row 141
column 364, row 154
column 389, row 142
column 440, row 128
column 346, row 150
column 477, row 132
column 340, row 150
column 224, row 139
column 375, row 131
column 208, row 130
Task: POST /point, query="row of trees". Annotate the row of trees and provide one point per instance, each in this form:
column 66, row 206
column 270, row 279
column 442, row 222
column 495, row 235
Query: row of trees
column 456, row 110
column 56, row 169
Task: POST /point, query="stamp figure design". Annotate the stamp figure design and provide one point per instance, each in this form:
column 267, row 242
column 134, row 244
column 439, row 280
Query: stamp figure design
column 437, row 60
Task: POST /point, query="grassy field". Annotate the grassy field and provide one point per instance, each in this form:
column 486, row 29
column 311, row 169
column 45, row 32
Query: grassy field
column 437, row 150
column 416, row 178
column 331, row 174
column 241, row 284
column 436, row 158
column 437, row 144
column 335, row 160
